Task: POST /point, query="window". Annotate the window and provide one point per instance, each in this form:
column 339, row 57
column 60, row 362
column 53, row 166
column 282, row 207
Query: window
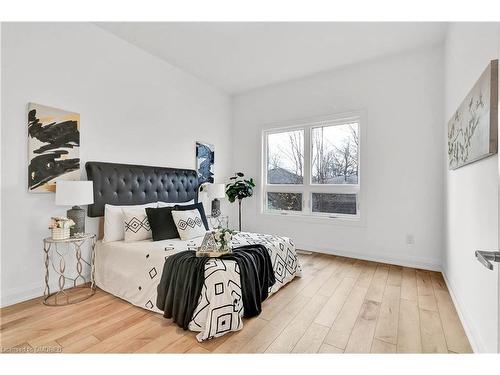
column 285, row 157
column 313, row 169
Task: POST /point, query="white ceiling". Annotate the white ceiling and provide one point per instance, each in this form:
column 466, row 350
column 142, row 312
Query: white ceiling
column 238, row 57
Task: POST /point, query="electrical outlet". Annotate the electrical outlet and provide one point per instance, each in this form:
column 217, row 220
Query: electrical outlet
column 410, row 239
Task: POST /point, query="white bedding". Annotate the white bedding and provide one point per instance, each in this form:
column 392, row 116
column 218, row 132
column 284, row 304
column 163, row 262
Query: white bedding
column 132, row 270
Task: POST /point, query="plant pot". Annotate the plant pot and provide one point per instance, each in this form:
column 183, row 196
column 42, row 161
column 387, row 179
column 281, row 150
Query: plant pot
column 60, row 233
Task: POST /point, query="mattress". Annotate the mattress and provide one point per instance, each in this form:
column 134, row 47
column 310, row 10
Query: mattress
column 132, row 271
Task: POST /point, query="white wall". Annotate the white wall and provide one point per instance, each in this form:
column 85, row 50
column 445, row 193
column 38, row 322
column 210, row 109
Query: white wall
column 401, row 173
column 134, row 108
column 472, row 193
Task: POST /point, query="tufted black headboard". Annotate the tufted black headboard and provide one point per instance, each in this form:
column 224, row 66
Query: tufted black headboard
column 125, row 184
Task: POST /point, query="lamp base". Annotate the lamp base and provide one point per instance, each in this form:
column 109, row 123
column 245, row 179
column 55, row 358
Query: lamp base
column 77, row 214
column 215, row 208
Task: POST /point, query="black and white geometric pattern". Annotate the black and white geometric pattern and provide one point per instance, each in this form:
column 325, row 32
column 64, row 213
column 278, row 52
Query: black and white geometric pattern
column 190, row 222
column 136, row 226
column 220, row 311
column 220, row 306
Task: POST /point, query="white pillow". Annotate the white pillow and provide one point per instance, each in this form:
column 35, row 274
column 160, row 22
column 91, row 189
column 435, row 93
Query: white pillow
column 136, row 225
column 170, row 204
column 113, row 220
column 189, row 224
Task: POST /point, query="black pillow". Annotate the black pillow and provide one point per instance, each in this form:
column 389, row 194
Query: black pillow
column 195, row 206
column 161, row 223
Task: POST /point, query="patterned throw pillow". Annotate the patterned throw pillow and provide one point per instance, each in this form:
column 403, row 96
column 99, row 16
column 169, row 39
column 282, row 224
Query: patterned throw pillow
column 189, row 224
column 113, row 220
column 136, row 225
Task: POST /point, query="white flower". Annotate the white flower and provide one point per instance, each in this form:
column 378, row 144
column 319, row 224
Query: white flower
column 227, row 236
column 218, row 236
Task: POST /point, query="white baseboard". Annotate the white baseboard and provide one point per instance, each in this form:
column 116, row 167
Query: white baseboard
column 22, row 294
column 475, row 342
column 381, row 258
column 28, row 292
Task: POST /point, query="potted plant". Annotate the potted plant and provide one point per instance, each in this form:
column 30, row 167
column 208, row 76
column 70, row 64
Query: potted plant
column 60, row 227
column 239, row 188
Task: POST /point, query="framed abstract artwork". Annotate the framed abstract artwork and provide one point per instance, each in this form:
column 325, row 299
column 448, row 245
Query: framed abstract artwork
column 473, row 129
column 53, row 147
column 205, row 158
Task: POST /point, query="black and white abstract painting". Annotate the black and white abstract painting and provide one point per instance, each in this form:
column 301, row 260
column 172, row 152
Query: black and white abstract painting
column 53, row 147
column 473, row 129
column 205, row 158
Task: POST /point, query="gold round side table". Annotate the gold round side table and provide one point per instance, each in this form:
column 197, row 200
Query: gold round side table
column 60, row 249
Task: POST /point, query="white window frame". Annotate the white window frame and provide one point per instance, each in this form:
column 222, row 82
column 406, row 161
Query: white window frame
column 307, row 188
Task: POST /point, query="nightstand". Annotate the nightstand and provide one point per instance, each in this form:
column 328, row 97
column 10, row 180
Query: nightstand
column 57, row 254
column 218, row 221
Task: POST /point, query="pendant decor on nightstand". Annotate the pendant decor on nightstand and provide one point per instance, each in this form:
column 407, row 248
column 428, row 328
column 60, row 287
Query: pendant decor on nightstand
column 216, row 191
column 60, row 227
column 75, row 193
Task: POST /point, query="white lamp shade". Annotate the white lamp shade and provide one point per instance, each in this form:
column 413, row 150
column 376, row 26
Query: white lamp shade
column 216, row 190
column 74, row 193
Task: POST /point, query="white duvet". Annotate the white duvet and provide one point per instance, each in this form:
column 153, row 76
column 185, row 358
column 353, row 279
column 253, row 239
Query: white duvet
column 132, row 271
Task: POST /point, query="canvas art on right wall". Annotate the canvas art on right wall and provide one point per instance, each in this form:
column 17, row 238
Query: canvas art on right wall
column 473, row 129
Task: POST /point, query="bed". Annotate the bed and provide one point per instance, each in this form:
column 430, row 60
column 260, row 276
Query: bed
column 132, row 270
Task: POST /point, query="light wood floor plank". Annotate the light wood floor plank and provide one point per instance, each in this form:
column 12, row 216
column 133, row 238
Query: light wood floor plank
column 379, row 346
column 366, row 276
column 287, row 339
column 329, row 312
column 251, row 328
column 409, row 339
column 361, row 337
column 330, row 285
column 312, row 339
column 325, row 348
column 198, row 350
column 426, row 299
column 170, row 335
column 395, row 275
column 183, row 345
column 81, row 345
column 377, row 287
column 387, row 323
column 315, row 284
column 273, row 328
column 433, row 340
column 456, row 339
column 342, row 327
column 123, row 336
column 409, row 284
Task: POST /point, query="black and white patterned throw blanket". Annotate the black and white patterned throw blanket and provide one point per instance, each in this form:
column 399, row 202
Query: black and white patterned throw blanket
column 184, row 275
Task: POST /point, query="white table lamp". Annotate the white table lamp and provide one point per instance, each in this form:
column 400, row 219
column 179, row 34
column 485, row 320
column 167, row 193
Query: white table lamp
column 75, row 193
column 216, row 191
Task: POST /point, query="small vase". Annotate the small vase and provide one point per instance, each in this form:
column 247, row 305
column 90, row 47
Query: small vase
column 60, row 233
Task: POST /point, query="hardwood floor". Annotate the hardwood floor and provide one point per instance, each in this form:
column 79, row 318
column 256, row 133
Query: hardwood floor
column 339, row 305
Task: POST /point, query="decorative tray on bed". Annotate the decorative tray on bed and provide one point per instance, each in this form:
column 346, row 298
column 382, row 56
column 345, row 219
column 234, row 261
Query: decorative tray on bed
column 210, row 248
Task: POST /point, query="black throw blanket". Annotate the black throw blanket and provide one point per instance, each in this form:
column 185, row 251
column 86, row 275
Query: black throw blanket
column 183, row 276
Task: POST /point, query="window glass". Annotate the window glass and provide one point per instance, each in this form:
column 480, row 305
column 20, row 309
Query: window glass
column 334, row 158
column 334, row 203
column 284, row 201
column 285, row 157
